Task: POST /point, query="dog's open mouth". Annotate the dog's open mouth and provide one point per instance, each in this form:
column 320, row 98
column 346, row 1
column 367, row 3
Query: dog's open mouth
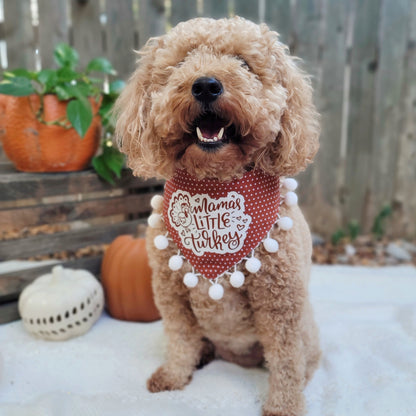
column 212, row 132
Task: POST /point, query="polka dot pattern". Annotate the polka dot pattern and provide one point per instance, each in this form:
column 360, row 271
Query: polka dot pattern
column 261, row 202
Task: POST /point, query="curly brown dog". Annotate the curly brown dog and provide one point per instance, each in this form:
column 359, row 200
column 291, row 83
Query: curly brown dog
column 219, row 99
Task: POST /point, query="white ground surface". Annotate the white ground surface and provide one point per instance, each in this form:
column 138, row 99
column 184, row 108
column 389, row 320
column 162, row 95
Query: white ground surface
column 367, row 319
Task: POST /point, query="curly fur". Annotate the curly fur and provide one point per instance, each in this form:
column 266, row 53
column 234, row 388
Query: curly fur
column 268, row 100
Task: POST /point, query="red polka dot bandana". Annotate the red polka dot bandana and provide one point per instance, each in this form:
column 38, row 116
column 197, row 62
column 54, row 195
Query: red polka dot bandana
column 217, row 224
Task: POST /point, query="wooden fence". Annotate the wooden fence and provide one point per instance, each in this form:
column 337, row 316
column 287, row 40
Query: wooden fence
column 361, row 53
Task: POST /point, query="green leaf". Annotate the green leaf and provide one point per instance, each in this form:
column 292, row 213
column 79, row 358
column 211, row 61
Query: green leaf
column 101, row 65
column 67, row 75
column 65, row 56
column 117, row 86
column 17, row 86
column 79, row 113
column 113, row 159
column 102, row 169
column 68, row 91
column 20, row 72
column 63, row 92
column 48, row 77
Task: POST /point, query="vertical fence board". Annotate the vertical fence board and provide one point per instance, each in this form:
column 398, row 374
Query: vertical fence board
column 216, row 8
column 324, row 208
column 392, row 41
column 86, row 30
column 182, row 10
column 364, row 61
column 19, row 33
column 152, row 20
column 307, row 33
column 120, row 36
column 247, row 9
column 278, row 17
column 53, row 29
column 404, row 195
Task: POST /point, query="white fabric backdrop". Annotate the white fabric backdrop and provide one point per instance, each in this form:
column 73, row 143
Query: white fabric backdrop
column 367, row 319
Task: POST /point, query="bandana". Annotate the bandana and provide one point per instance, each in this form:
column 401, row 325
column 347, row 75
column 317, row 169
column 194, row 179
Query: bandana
column 217, row 224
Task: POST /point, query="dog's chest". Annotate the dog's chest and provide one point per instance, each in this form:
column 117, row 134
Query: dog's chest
column 233, row 315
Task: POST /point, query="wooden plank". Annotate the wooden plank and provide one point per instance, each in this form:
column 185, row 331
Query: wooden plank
column 11, row 284
column 152, row 20
column 393, row 34
column 9, row 312
column 308, row 24
column 74, row 211
column 119, row 31
column 323, row 203
column 87, row 33
column 404, row 196
column 247, row 9
column 19, row 33
column 216, row 8
column 65, row 241
column 364, row 64
column 53, row 28
column 278, row 17
column 182, row 10
column 20, row 185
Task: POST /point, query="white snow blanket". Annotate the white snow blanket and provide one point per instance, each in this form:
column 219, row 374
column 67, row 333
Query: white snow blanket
column 367, row 319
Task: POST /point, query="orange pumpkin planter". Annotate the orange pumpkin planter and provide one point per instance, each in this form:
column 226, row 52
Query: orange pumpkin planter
column 126, row 278
column 36, row 147
column 3, row 104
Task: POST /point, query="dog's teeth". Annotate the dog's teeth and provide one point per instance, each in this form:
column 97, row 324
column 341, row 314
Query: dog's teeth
column 221, row 133
column 199, row 134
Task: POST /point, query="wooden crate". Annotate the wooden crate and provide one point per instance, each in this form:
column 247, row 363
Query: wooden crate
column 90, row 212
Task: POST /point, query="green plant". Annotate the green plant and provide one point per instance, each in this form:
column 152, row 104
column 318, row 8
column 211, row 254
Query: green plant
column 352, row 232
column 378, row 228
column 337, row 236
column 76, row 86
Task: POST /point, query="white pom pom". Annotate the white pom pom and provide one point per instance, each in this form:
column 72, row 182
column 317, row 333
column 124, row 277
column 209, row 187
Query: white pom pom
column 237, row 279
column 290, row 184
column 216, row 291
column 154, row 220
column 156, row 202
column 190, row 279
column 285, row 223
column 271, row 245
column 291, row 199
column 175, row 263
column 161, row 242
column 253, row 265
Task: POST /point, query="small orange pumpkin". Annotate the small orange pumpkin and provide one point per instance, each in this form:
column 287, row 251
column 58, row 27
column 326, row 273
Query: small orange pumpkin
column 36, row 147
column 126, row 278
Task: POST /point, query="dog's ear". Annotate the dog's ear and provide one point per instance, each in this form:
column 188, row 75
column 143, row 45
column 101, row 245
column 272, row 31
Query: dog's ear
column 297, row 141
column 133, row 130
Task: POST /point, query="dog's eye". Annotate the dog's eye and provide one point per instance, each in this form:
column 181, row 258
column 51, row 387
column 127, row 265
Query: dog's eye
column 243, row 63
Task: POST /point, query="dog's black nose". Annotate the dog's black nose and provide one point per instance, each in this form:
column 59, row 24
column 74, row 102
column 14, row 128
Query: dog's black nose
column 206, row 89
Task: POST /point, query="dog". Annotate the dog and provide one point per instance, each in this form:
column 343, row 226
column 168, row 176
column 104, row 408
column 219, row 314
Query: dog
column 213, row 104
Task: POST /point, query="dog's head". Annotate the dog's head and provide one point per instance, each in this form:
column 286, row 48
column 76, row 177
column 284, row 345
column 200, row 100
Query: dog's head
column 217, row 97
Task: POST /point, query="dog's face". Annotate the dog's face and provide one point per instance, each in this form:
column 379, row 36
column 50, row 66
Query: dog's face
column 217, row 98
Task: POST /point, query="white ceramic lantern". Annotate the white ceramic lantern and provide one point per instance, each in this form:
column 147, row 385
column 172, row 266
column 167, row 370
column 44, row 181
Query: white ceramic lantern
column 62, row 304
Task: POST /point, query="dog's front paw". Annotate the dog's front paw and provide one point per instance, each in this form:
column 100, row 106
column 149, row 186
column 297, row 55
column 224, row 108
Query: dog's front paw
column 283, row 412
column 164, row 379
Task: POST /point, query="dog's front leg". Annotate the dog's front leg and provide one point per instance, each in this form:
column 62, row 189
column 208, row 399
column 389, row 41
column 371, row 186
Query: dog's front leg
column 185, row 343
column 277, row 302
